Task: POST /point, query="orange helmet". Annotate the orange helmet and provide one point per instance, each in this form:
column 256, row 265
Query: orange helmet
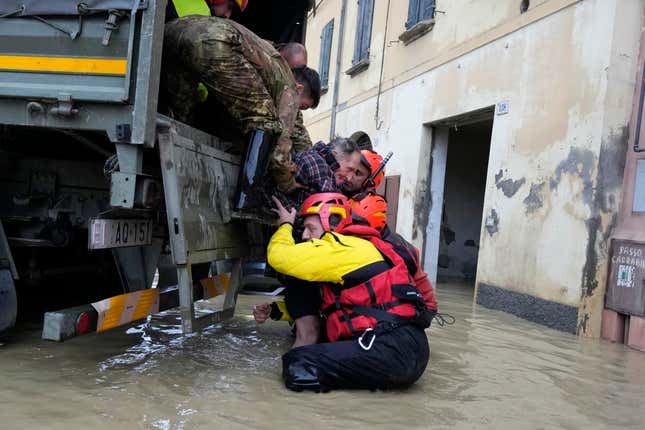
column 326, row 205
column 372, row 160
column 240, row 3
column 370, row 210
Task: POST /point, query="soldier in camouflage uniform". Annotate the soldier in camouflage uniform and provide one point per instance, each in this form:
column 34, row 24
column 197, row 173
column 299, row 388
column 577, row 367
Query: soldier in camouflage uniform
column 250, row 78
column 300, row 135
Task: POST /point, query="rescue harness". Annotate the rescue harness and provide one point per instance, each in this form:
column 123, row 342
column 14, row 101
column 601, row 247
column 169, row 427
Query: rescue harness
column 387, row 300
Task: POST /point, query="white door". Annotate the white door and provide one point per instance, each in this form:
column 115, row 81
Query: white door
column 439, row 156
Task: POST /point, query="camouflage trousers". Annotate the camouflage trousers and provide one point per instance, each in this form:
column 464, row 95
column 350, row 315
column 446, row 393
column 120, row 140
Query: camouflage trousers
column 219, row 63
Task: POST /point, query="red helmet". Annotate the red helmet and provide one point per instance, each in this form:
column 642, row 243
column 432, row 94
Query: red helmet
column 241, row 3
column 325, row 205
column 370, row 210
column 372, row 160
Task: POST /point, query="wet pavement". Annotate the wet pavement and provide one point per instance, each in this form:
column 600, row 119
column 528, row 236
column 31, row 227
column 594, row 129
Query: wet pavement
column 489, row 370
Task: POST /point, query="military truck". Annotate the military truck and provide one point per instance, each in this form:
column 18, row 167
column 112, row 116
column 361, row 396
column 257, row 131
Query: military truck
column 79, row 83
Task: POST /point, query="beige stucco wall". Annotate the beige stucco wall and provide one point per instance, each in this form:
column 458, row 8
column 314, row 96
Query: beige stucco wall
column 461, row 23
column 567, row 69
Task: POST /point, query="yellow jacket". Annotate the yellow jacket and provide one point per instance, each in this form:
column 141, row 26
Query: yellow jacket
column 327, row 259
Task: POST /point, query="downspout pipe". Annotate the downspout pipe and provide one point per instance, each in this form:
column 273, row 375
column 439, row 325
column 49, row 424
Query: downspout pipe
column 339, row 56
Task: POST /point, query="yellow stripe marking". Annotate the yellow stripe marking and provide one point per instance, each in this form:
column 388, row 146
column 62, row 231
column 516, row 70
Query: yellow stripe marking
column 113, row 315
column 146, row 299
column 96, row 66
column 120, row 309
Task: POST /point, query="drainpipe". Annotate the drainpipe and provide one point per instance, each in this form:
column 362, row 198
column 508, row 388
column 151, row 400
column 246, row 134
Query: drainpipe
column 339, row 54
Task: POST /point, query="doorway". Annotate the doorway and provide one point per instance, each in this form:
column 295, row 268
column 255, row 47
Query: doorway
column 460, row 152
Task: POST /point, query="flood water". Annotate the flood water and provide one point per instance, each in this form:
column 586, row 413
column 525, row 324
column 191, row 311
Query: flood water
column 489, row 370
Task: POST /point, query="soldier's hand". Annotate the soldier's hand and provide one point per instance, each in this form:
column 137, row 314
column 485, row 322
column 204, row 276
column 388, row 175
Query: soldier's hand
column 284, row 215
column 261, row 312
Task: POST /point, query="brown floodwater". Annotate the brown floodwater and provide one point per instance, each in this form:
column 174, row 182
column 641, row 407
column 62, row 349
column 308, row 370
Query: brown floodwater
column 488, row 370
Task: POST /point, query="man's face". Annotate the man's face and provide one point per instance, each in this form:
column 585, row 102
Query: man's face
column 223, row 10
column 297, row 60
column 347, row 168
column 306, row 102
column 304, row 99
column 313, row 228
column 355, row 184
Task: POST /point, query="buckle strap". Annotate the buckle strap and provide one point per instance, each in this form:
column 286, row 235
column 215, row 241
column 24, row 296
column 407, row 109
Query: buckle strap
column 378, row 314
column 388, row 305
column 370, row 291
column 338, row 306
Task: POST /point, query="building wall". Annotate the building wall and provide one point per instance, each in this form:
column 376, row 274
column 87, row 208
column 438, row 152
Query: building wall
column 567, row 70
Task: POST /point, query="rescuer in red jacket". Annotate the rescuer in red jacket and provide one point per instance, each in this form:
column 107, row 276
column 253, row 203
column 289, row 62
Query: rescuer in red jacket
column 372, row 210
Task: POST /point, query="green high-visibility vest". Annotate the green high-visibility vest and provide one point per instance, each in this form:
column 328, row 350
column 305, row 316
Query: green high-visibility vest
column 194, row 7
column 191, row 7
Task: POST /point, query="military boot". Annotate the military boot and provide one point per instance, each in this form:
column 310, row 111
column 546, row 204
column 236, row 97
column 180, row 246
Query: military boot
column 258, row 154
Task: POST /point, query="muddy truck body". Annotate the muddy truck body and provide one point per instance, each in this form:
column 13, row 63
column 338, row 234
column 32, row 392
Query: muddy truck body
column 79, row 83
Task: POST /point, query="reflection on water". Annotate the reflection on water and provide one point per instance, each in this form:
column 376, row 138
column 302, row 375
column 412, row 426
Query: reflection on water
column 489, row 370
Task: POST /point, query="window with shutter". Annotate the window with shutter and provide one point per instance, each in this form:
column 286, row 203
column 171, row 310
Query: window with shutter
column 419, row 10
column 325, row 53
column 363, row 30
column 420, row 20
column 413, row 13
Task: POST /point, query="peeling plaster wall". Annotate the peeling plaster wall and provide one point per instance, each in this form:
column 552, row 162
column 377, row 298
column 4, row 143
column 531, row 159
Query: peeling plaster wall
column 557, row 156
column 610, row 162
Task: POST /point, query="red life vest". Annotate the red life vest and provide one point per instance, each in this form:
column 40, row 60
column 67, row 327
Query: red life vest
column 410, row 255
column 352, row 309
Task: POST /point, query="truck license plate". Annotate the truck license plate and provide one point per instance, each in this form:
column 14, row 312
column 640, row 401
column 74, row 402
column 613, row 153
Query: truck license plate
column 119, row 233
